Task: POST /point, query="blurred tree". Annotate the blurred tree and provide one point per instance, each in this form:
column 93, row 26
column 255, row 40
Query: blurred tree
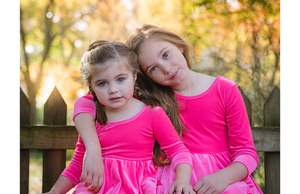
column 164, row 14
column 48, row 32
column 56, row 33
column 239, row 40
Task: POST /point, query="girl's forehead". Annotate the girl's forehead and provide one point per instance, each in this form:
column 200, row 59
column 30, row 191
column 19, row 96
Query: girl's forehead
column 153, row 46
column 119, row 63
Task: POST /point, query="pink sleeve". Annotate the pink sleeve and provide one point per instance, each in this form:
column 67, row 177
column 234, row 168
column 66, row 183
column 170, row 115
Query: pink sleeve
column 169, row 140
column 239, row 130
column 74, row 169
column 85, row 104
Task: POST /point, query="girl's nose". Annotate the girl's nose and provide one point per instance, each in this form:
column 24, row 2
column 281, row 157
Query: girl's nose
column 113, row 89
column 167, row 68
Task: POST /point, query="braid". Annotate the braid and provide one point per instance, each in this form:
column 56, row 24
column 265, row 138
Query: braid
column 100, row 111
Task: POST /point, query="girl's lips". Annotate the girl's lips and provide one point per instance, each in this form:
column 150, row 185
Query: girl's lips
column 174, row 76
column 114, row 99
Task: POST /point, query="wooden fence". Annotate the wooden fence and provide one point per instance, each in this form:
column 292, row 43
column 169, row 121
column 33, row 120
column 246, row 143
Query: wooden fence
column 54, row 137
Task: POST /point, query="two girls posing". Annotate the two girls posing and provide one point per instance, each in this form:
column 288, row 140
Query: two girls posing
column 208, row 113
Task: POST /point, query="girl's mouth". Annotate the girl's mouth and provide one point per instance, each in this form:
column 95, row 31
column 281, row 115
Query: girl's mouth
column 115, row 99
column 174, row 76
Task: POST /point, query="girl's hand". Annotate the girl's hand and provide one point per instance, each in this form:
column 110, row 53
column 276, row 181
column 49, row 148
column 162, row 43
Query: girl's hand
column 93, row 170
column 212, row 183
column 219, row 181
column 181, row 186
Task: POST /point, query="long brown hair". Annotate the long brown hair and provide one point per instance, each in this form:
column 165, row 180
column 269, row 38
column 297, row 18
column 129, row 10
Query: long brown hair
column 150, row 90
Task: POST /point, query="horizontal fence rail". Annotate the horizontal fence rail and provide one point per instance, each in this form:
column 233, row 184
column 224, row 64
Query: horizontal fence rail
column 266, row 139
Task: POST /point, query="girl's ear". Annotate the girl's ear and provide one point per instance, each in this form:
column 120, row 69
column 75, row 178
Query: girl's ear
column 181, row 49
column 134, row 76
column 90, row 87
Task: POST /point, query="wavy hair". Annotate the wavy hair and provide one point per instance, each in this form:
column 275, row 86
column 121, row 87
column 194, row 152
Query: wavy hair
column 149, row 89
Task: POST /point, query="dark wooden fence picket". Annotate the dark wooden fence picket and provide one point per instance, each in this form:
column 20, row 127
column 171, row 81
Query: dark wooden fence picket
column 54, row 160
column 272, row 159
column 24, row 153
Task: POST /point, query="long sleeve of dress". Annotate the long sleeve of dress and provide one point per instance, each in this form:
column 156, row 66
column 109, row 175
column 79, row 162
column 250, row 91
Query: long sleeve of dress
column 169, row 140
column 74, row 169
column 239, row 130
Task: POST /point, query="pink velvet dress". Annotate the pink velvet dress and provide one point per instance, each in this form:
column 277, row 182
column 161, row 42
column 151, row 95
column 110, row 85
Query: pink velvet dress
column 219, row 134
column 127, row 152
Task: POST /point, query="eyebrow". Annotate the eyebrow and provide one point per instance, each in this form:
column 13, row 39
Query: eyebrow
column 121, row 74
column 157, row 57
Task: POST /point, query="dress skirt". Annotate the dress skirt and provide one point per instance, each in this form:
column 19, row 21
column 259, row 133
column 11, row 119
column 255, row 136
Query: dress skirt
column 204, row 164
column 126, row 177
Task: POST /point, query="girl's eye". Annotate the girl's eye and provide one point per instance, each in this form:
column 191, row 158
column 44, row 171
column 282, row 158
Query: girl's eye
column 165, row 55
column 153, row 69
column 121, row 79
column 102, row 84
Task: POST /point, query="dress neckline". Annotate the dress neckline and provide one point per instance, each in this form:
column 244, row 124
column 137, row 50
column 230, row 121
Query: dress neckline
column 127, row 120
column 202, row 94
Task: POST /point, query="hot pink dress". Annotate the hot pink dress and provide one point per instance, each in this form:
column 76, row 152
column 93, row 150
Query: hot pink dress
column 127, row 152
column 219, row 134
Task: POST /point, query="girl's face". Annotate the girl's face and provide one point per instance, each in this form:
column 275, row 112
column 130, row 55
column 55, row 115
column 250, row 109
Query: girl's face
column 163, row 62
column 113, row 83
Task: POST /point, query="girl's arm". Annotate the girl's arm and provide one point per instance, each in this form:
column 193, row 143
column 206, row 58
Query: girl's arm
column 84, row 119
column 176, row 152
column 62, row 185
column 93, row 168
column 244, row 156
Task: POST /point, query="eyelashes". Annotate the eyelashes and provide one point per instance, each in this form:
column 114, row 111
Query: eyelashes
column 119, row 80
column 164, row 56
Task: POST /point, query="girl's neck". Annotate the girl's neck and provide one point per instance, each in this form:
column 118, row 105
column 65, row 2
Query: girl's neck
column 187, row 85
column 194, row 84
column 129, row 110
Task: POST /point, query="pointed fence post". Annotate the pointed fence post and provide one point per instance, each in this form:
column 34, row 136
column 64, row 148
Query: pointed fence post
column 24, row 153
column 54, row 161
column 272, row 159
column 247, row 104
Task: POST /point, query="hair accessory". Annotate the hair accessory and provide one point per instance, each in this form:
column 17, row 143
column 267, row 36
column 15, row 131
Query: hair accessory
column 95, row 98
column 141, row 97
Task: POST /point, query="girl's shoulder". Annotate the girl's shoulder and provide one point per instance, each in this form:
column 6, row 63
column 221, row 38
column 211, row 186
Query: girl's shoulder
column 228, row 87
column 209, row 83
column 87, row 97
column 154, row 110
column 224, row 82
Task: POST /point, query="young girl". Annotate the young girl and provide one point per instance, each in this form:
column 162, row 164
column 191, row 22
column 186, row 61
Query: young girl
column 127, row 129
column 210, row 110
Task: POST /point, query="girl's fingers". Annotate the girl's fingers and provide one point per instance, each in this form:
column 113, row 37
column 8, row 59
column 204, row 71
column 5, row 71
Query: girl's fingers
column 203, row 190
column 94, row 184
column 179, row 190
column 88, row 180
column 83, row 175
column 100, row 182
column 198, row 186
column 172, row 189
